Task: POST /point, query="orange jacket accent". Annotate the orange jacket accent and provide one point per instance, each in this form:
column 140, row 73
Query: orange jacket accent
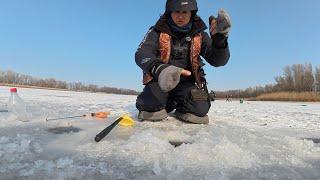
column 165, row 52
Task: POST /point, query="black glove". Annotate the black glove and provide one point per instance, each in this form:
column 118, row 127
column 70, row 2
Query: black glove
column 157, row 68
column 219, row 41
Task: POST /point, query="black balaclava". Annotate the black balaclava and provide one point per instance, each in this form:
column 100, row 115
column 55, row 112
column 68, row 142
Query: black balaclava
column 177, row 30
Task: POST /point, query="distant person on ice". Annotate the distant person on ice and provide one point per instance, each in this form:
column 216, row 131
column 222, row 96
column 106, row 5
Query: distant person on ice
column 169, row 57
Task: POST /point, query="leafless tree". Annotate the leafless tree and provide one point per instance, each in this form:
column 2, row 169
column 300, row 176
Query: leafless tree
column 10, row 77
column 317, row 79
column 288, row 77
column 308, row 80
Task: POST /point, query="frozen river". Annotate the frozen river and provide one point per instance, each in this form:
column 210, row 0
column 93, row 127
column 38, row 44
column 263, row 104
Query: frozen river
column 253, row 140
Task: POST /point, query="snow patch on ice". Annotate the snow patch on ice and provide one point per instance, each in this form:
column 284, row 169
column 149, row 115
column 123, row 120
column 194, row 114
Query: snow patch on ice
column 36, row 147
column 229, row 155
column 3, row 140
column 64, row 162
column 147, row 141
column 45, row 165
column 302, row 149
column 26, row 172
column 156, row 167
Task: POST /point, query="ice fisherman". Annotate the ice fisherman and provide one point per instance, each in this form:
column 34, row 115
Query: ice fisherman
column 169, row 57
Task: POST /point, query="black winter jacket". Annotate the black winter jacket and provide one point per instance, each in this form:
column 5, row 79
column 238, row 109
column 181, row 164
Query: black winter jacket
column 148, row 53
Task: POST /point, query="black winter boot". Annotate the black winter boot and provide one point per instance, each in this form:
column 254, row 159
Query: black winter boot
column 153, row 116
column 191, row 118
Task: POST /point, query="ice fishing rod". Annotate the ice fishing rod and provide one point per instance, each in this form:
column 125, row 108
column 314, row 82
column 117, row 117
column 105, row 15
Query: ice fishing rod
column 107, row 130
column 69, row 117
column 124, row 120
column 97, row 115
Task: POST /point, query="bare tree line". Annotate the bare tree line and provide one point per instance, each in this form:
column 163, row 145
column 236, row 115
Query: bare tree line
column 295, row 78
column 11, row 77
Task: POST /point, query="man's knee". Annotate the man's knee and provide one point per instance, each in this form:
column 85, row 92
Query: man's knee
column 152, row 98
column 201, row 108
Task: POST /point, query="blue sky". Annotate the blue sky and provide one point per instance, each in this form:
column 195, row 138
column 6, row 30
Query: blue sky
column 95, row 41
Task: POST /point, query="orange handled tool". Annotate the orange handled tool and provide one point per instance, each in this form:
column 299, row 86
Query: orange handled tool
column 100, row 115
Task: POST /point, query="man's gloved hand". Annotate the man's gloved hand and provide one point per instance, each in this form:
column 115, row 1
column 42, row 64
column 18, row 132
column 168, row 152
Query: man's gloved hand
column 168, row 76
column 220, row 24
column 219, row 41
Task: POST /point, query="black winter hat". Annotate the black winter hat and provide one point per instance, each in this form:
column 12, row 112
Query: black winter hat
column 181, row 5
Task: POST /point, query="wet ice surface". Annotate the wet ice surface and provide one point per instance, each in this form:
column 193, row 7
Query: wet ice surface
column 254, row 140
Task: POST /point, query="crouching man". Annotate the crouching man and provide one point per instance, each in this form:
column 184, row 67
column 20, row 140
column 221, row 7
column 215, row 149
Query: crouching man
column 170, row 59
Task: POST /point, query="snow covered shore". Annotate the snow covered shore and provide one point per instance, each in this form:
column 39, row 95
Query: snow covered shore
column 253, row 140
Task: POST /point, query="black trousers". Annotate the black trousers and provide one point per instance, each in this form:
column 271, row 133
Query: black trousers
column 152, row 99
